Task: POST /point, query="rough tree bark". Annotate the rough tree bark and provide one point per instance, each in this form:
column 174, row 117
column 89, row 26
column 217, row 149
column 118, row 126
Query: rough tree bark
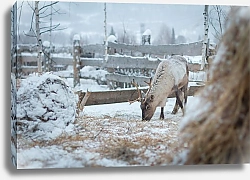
column 205, row 40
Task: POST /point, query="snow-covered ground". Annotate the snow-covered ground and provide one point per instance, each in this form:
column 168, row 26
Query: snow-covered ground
column 108, row 135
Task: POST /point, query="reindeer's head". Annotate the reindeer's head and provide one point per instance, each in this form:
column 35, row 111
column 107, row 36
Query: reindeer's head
column 147, row 102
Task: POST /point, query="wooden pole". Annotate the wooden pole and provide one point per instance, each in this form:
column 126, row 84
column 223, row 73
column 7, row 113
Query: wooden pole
column 76, row 59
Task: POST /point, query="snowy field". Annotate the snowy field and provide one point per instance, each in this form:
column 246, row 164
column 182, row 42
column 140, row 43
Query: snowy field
column 107, row 135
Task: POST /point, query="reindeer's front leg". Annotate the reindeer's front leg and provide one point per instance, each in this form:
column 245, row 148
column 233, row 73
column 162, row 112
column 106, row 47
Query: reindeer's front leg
column 162, row 113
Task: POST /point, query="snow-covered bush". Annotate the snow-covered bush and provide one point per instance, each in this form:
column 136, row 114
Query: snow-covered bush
column 46, row 106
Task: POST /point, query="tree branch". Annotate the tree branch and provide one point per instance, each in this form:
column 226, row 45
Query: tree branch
column 51, row 4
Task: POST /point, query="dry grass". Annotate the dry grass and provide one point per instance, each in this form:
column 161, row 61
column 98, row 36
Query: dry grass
column 134, row 142
column 220, row 135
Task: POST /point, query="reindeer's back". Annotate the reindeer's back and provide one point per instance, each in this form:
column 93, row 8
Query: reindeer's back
column 169, row 72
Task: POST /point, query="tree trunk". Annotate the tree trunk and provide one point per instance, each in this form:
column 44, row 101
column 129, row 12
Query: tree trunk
column 105, row 31
column 204, row 47
column 39, row 40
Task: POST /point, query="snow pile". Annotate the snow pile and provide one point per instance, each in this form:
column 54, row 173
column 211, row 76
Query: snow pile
column 93, row 73
column 46, row 106
column 13, row 118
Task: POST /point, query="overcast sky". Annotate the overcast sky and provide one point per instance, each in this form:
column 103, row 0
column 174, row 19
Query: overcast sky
column 87, row 18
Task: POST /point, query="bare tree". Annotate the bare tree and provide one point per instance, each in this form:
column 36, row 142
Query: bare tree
column 13, row 35
column 105, row 31
column 173, row 37
column 180, row 39
column 164, row 35
column 205, row 40
column 126, row 37
column 217, row 19
column 42, row 26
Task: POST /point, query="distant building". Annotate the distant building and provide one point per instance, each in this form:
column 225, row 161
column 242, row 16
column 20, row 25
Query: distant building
column 146, row 36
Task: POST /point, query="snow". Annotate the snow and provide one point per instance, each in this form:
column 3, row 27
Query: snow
column 90, row 76
column 112, row 38
column 147, row 32
column 13, row 117
column 108, row 123
column 46, row 44
column 108, row 135
column 46, row 106
column 76, row 37
column 193, row 59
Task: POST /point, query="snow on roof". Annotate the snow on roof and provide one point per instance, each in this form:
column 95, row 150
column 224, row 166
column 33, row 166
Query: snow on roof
column 112, row 38
column 147, row 32
column 76, row 37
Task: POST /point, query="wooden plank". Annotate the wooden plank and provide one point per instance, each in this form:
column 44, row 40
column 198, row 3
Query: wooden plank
column 62, row 60
column 127, row 79
column 191, row 49
column 94, row 48
column 99, row 62
column 113, row 62
column 131, row 62
column 118, row 96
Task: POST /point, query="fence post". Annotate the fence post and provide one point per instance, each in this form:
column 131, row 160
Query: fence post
column 47, row 56
column 76, row 59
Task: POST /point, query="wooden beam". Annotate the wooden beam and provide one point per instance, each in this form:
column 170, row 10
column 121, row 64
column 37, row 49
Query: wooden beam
column 190, row 49
column 118, row 96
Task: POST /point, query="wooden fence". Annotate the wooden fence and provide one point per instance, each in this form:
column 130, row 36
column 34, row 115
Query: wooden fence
column 122, row 95
column 122, row 67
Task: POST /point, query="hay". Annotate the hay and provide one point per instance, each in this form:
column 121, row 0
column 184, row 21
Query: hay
column 220, row 133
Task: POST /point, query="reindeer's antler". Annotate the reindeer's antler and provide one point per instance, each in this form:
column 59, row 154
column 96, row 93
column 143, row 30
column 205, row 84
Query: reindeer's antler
column 149, row 84
column 139, row 93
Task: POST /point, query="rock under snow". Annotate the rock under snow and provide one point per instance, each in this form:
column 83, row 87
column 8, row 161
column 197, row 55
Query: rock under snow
column 46, row 106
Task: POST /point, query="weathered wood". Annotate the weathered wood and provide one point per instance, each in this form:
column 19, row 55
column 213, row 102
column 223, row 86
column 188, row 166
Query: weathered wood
column 191, row 49
column 76, row 60
column 118, row 96
column 127, row 79
column 98, row 62
column 94, row 48
column 114, row 62
column 131, row 62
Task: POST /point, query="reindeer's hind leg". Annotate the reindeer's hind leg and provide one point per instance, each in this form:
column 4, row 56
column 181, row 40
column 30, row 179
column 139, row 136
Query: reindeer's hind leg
column 178, row 100
column 184, row 89
column 176, row 107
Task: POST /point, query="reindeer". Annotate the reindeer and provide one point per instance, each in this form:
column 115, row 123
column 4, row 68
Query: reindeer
column 171, row 76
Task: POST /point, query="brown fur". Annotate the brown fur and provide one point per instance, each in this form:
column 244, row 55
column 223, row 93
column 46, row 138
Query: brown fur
column 220, row 135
